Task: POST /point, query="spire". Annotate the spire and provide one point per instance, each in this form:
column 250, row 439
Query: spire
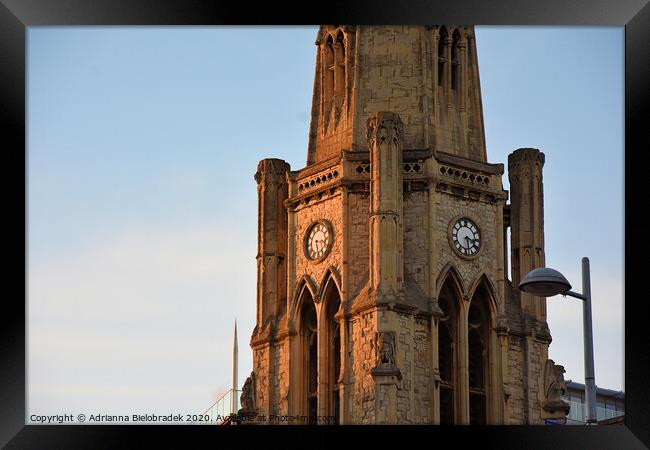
column 235, row 358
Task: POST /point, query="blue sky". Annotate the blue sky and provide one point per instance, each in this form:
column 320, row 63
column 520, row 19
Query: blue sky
column 142, row 211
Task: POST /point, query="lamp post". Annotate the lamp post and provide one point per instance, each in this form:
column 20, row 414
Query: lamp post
column 545, row 282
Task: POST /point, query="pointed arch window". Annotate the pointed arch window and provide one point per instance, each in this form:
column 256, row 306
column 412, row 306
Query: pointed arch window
column 328, row 66
column 339, row 65
column 309, row 338
column 478, row 335
column 333, row 341
column 442, row 54
column 447, row 353
column 455, row 59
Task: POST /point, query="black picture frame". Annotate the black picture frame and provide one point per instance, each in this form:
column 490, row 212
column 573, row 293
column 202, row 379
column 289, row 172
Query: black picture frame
column 16, row 15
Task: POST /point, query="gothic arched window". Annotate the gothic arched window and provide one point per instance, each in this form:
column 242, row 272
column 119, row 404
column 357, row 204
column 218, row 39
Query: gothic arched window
column 447, row 353
column 339, row 69
column 328, row 67
column 477, row 341
column 309, row 336
column 333, row 342
column 442, row 54
column 455, row 59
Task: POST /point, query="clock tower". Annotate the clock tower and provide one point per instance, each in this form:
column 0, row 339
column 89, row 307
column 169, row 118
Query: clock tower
column 383, row 294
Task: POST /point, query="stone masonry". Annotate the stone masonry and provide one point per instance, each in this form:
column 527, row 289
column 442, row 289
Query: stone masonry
column 368, row 312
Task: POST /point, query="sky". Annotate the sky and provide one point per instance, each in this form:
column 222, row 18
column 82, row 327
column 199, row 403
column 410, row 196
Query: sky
column 142, row 143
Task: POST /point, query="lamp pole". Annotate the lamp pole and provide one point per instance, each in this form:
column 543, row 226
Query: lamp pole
column 587, row 333
column 590, row 376
column 545, row 282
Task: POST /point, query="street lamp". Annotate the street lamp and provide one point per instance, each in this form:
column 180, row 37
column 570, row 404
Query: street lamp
column 545, row 282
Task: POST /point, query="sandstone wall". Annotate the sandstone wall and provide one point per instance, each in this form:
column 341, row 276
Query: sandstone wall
column 329, row 209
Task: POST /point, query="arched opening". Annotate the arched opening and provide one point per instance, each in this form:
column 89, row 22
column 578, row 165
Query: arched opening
column 339, row 71
column 328, row 68
column 333, row 341
column 448, row 352
column 455, row 59
column 442, row 54
column 478, row 344
column 309, row 340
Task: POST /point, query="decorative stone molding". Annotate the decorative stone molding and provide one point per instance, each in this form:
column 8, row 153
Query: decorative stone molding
column 464, row 176
column 436, row 377
column 502, row 325
column 436, row 311
column 464, row 191
column 382, row 126
column 554, row 387
column 271, row 170
column 385, row 358
column 326, row 31
column 506, row 390
column 416, row 167
column 316, row 195
column 247, row 399
column 362, row 169
column 318, row 180
column 541, row 331
column 526, row 155
column 524, row 163
column 409, row 168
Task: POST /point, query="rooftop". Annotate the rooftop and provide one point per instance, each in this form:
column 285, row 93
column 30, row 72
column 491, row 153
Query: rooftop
column 572, row 385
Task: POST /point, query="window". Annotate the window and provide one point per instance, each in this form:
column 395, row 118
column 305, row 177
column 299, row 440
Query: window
column 442, row 55
column 455, row 59
column 328, row 67
column 309, row 335
column 477, row 327
column 333, row 364
column 339, row 69
column 447, row 353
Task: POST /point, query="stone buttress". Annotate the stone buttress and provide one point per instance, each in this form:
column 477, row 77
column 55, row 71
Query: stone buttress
column 383, row 293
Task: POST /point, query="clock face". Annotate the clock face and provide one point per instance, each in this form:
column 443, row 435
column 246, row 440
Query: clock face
column 466, row 237
column 318, row 241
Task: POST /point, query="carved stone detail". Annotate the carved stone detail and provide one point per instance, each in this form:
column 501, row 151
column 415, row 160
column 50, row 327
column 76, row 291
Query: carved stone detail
column 247, row 397
column 464, row 176
column 554, row 387
column 319, row 179
column 385, row 359
column 502, row 325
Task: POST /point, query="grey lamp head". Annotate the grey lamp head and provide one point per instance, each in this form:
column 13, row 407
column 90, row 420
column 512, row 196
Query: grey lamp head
column 544, row 282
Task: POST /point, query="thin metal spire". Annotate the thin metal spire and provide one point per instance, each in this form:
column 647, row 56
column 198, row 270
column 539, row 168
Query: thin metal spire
column 235, row 358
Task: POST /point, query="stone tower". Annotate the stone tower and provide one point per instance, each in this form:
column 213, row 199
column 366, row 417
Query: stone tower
column 383, row 294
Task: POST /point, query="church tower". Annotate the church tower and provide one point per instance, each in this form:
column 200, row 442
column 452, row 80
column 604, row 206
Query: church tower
column 383, row 295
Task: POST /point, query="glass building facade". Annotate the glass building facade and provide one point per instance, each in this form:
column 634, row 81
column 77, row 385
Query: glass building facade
column 609, row 404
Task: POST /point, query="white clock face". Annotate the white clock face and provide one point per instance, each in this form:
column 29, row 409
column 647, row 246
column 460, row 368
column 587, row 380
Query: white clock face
column 318, row 241
column 466, row 237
